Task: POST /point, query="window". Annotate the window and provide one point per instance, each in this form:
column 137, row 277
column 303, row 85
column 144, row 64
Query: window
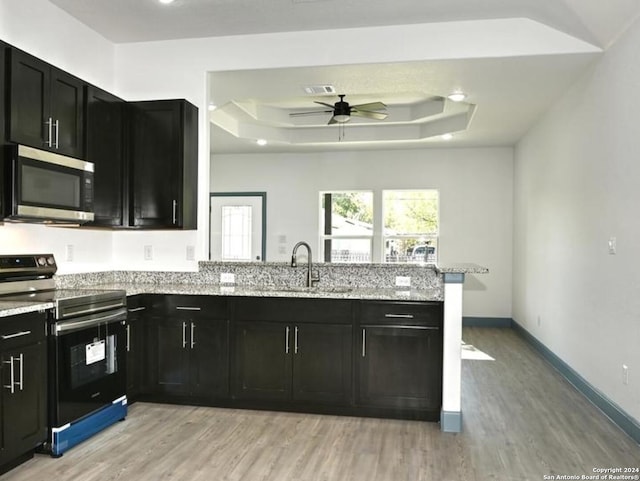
column 236, row 232
column 410, row 225
column 347, row 226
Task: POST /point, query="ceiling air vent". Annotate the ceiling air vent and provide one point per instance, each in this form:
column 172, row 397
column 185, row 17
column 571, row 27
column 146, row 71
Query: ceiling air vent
column 320, row 89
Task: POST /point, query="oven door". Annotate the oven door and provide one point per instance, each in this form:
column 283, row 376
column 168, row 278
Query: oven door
column 88, row 365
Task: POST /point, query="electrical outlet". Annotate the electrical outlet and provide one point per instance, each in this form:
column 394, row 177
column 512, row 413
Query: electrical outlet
column 613, row 245
column 403, row 281
column 69, row 253
column 148, row 253
column 625, row 374
column 227, row 278
column 191, row 253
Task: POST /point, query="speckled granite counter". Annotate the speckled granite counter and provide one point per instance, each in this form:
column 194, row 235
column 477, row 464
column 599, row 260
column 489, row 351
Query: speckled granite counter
column 434, row 294
column 11, row 308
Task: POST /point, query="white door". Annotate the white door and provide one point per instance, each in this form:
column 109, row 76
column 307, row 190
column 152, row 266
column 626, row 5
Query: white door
column 236, row 228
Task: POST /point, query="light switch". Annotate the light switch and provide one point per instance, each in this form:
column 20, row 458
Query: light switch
column 612, row 245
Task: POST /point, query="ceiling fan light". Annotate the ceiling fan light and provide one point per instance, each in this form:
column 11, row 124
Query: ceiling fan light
column 341, row 118
column 457, row 96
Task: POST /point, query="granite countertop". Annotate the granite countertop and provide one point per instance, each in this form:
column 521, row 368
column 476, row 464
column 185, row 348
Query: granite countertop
column 9, row 308
column 399, row 293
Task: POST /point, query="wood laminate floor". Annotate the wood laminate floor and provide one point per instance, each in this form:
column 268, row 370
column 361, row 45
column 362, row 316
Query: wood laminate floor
column 521, row 421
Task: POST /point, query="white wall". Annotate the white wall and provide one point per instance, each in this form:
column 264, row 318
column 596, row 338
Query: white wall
column 43, row 30
column 475, row 202
column 577, row 183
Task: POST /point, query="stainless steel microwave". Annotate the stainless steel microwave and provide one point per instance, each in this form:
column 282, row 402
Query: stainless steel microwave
column 42, row 186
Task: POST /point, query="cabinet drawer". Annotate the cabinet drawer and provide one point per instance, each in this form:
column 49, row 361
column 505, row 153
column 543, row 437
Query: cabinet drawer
column 22, row 330
column 196, row 306
column 391, row 312
column 293, row 309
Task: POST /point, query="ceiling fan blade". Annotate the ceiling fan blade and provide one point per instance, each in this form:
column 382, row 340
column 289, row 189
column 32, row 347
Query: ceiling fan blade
column 370, row 106
column 369, row 115
column 311, row 112
column 323, row 103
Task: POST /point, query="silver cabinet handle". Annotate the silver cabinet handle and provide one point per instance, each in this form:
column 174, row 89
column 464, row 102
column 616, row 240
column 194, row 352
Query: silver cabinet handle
column 399, row 316
column 11, row 386
column 17, row 334
column 49, row 141
column 136, row 309
column 193, row 338
column 184, row 335
column 184, row 308
column 128, row 338
column 364, row 343
column 295, row 341
column 57, row 133
column 21, row 382
column 175, row 209
column 286, row 340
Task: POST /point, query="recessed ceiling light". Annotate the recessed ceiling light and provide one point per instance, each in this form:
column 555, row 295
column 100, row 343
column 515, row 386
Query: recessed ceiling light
column 447, row 136
column 212, row 107
column 166, row 2
column 261, row 142
column 457, row 96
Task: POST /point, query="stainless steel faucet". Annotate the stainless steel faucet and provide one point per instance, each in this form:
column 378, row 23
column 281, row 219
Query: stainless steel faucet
column 294, row 263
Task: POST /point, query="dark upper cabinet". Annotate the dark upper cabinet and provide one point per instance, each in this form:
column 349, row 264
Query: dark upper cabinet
column 105, row 147
column 45, row 106
column 163, row 158
column 3, row 111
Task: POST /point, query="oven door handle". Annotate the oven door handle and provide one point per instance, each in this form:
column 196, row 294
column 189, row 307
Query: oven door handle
column 89, row 321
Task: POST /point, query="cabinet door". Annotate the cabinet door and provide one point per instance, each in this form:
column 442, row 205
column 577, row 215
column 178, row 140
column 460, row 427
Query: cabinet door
column 168, row 357
column 23, row 410
column 29, row 93
column 400, row 367
column 135, row 352
column 262, row 368
column 67, row 105
column 322, row 363
column 105, row 148
column 209, row 362
column 156, row 157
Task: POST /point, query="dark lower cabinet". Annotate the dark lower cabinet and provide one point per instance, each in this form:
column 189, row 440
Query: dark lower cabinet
column 400, row 367
column 23, row 422
column 305, row 362
column 262, row 361
column 187, row 348
column 322, row 363
column 136, row 346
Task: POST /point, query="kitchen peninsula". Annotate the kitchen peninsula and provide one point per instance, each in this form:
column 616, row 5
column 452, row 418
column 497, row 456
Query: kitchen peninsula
column 361, row 302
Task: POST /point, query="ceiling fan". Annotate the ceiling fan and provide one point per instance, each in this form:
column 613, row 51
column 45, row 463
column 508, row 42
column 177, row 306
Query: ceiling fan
column 342, row 111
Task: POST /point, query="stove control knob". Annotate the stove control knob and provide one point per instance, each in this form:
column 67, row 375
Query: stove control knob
column 51, row 261
column 42, row 261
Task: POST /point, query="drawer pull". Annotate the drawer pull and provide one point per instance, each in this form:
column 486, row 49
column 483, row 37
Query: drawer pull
column 185, row 308
column 286, row 340
column 137, row 309
column 364, row 343
column 399, row 316
column 17, row 334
